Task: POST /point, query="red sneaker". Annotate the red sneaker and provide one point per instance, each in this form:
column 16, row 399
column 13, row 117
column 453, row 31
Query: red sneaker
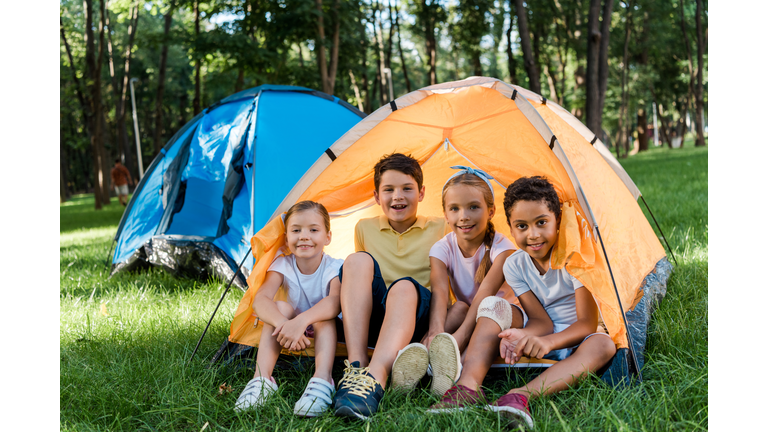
column 515, row 408
column 457, row 398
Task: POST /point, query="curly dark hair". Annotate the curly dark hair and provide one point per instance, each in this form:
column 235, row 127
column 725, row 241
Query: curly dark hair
column 535, row 188
column 398, row 162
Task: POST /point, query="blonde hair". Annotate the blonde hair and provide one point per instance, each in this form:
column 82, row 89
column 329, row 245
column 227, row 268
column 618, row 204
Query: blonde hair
column 309, row 205
column 468, row 179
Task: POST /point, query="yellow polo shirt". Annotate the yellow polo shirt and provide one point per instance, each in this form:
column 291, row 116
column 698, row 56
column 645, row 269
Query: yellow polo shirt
column 400, row 254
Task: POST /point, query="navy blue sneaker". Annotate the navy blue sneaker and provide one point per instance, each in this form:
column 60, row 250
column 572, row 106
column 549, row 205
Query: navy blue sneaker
column 359, row 393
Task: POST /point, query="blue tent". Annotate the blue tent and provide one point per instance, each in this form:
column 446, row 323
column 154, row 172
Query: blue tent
column 221, row 177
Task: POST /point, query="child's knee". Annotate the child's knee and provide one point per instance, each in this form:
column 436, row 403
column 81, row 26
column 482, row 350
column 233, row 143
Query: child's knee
column 497, row 310
column 402, row 291
column 286, row 309
column 460, row 307
column 604, row 348
column 358, row 261
column 324, row 326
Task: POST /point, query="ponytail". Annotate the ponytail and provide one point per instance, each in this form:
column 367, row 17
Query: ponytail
column 485, row 264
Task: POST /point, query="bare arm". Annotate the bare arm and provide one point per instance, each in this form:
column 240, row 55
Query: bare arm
column 438, row 306
column 290, row 334
column 527, row 341
column 488, row 288
column 263, row 303
column 586, row 322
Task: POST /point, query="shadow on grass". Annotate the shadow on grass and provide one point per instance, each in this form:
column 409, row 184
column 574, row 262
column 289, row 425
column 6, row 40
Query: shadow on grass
column 78, row 213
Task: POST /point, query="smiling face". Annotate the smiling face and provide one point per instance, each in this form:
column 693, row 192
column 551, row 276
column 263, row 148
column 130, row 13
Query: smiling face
column 306, row 236
column 534, row 227
column 467, row 214
column 399, row 197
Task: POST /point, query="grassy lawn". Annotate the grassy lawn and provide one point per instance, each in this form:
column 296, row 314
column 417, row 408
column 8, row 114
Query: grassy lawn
column 125, row 341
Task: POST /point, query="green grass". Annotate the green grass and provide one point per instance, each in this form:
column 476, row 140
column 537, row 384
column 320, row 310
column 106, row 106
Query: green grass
column 129, row 370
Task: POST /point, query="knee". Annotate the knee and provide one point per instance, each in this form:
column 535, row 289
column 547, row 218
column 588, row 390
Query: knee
column 324, row 326
column 285, row 309
column 604, row 348
column 460, row 306
column 496, row 309
column 358, row 261
column 402, row 291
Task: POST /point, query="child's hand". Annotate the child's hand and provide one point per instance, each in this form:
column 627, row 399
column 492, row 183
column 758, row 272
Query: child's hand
column 427, row 339
column 509, row 341
column 290, row 335
column 530, row 346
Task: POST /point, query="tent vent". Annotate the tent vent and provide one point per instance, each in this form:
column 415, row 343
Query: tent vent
column 393, row 105
column 514, row 94
column 593, row 140
column 552, row 142
column 330, row 154
column 543, row 100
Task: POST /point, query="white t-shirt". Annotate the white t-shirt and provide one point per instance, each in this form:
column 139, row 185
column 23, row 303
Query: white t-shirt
column 461, row 271
column 304, row 291
column 556, row 289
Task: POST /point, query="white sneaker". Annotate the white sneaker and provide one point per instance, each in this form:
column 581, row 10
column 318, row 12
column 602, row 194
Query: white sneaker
column 445, row 361
column 316, row 399
column 255, row 393
column 410, row 366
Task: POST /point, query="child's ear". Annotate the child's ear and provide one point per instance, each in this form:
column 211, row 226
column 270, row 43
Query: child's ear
column 376, row 197
column 491, row 212
column 328, row 241
column 421, row 193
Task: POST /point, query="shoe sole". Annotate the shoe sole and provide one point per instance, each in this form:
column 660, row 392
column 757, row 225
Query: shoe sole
column 410, row 367
column 349, row 412
column 514, row 415
column 444, row 357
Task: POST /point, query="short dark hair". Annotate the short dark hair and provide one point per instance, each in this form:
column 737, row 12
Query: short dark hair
column 535, row 189
column 117, row 160
column 398, row 162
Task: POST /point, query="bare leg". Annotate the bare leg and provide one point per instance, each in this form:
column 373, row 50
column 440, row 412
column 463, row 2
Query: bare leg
column 325, row 348
column 591, row 355
column 455, row 317
column 356, row 298
column 269, row 348
column 484, row 346
column 396, row 330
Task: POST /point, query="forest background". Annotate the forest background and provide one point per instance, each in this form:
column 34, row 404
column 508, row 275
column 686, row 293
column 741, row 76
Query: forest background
column 635, row 71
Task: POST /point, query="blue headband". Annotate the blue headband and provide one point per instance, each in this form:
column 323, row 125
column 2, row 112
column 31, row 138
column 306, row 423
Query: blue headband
column 469, row 170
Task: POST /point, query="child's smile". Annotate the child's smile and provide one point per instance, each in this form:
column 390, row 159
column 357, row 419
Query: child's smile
column 398, row 196
column 534, row 227
column 467, row 214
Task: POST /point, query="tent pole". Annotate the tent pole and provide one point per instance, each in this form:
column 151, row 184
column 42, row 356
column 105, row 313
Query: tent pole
column 634, row 365
column 217, row 306
column 660, row 231
column 106, row 261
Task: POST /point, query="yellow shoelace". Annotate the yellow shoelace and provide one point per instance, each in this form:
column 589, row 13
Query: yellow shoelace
column 357, row 381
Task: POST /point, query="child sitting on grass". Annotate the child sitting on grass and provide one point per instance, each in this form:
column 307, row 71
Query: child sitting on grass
column 533, row 211
column 470, row 259
column 310, row 278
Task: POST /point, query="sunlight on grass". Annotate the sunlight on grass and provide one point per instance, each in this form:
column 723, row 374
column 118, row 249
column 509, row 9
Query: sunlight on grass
column 85, row 236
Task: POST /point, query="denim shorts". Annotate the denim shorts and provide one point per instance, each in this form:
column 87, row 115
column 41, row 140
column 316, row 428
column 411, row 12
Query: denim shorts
column 380, row 291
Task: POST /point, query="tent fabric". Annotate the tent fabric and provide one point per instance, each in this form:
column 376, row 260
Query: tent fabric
column 475, row 122
column 214, row 184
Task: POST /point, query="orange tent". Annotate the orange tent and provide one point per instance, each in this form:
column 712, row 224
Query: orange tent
column 508, row 132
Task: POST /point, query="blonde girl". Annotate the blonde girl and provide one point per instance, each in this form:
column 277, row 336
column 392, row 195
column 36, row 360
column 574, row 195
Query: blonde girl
column 310, row 278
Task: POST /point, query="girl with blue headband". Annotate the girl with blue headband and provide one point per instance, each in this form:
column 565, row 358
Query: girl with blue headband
column 469, row 260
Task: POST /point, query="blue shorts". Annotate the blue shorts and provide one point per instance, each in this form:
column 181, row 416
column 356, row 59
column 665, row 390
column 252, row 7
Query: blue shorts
column 380, row 291
column 564, row 353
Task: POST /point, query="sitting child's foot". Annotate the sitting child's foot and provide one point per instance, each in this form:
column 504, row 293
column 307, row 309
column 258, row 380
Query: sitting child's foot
column 457, row 398
column 410, row 366
column 515, row 408
column 445, row 361
column 359, row 393
column 255, row 393
column 316, row 398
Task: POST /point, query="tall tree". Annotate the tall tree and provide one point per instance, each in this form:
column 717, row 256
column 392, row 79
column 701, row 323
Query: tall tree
column 511, row 62
column 699, row 93
column 400, row 50
column 122, row 133
column 525, row 43
column 597, row 63
column 429, row 14
column 327, row 71
column 93, row 76
column 161, row 79
column 197, row 100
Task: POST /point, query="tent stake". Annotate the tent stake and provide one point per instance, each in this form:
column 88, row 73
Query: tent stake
column 634, row 364
column 660, row 231
column 106, row 261
column 217, row 306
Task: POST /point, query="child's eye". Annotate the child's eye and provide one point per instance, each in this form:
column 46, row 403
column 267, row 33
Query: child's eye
column 542, row 222
column 522, row 226
column 474, row 207
column 454, row 209
column 314, row 230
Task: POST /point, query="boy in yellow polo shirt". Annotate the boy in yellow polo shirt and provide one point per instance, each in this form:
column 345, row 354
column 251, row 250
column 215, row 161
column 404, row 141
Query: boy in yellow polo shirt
column 385, row 292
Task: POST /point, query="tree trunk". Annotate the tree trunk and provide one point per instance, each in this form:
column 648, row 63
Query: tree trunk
column 182, row 110
column 161, row 83
column 624, row 68
column 364, row 45
column 597, row 64
column 240, row 81
column 377, row 25
column 93, row 74
column 400, row 50
column 525, row 42
column 511, row 63
column 700, row 78
column 122, row 133
column 642, row 129
column 327, row 73
column 63, row 187
column 356, row 89
column 197, row 103
column 429, row 37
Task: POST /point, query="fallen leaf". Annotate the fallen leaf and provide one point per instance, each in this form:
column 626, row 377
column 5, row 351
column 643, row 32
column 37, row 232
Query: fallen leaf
column 204, row 426
column 103, row 309
column 225, row 388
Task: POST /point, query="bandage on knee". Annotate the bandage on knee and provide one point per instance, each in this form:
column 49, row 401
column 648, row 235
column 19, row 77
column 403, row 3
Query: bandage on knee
column 496, row 309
